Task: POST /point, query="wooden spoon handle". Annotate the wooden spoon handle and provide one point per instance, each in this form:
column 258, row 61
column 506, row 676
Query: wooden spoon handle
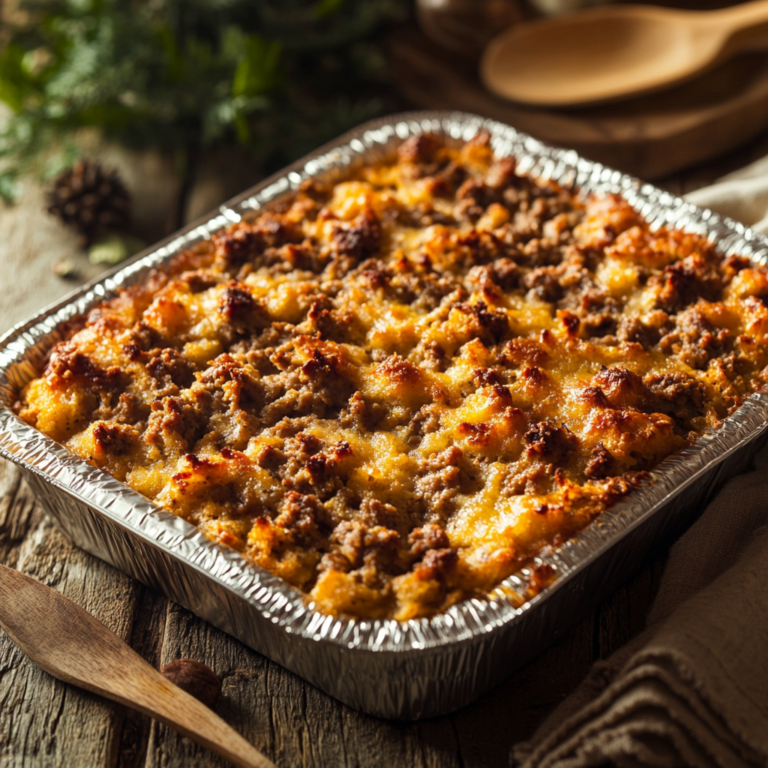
column 743, row 26
column 71, row 645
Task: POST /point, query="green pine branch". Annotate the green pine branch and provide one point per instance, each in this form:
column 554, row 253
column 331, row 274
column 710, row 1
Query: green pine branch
column 278, row 76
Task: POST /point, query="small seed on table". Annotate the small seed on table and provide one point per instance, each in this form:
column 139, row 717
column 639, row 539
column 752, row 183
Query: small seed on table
column 195, row 678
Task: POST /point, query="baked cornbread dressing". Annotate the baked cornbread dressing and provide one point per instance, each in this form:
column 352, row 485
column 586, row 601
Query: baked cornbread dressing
column 397, row 390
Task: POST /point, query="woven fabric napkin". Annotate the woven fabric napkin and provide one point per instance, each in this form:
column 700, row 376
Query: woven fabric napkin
column 742, row 195
column 692, row 689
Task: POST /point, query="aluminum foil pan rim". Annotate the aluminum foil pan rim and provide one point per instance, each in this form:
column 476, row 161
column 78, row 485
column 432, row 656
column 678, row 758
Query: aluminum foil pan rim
column 23, row 348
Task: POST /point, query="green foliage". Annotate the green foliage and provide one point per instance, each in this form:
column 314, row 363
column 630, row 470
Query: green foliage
column 279, row 76
column 113, row 249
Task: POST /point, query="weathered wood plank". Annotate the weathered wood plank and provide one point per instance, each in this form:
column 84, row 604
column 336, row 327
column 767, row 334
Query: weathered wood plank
column 295, row 724
column 622, row 617
column 42, row 721
column 133, row 732
column 33, row 241
column 18, row 513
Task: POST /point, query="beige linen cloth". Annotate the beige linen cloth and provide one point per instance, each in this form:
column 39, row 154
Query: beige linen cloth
column 692, row 689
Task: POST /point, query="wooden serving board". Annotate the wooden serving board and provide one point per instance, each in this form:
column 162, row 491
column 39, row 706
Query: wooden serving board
column 651, row 137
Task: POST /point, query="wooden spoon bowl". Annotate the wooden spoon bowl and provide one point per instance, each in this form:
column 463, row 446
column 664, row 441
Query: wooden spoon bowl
column 616, row 52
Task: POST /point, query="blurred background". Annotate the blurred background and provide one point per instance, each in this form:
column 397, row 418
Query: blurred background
column 122, row 121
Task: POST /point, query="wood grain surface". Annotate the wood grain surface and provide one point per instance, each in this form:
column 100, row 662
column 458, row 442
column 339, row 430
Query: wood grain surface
column 44, row 722
column 70, row 644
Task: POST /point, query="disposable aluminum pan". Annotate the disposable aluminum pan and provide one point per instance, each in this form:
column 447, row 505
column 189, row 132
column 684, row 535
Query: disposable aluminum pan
column 400, row 670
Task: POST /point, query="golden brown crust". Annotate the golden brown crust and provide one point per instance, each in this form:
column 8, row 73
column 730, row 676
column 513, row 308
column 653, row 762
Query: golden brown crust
column 396, row 391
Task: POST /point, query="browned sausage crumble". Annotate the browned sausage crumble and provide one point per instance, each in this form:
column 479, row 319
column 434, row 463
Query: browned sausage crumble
column 397, row 390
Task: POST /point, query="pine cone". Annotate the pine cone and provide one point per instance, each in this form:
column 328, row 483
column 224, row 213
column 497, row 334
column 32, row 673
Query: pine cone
column 92, row 199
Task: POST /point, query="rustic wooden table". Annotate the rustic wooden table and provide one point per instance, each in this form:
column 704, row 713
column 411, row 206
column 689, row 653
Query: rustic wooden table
column 47, row 723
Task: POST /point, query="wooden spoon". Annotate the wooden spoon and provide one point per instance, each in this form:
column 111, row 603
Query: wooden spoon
column 70, row 644
column 614, row 52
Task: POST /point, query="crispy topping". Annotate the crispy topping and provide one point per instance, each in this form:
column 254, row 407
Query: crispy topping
column 395, row 390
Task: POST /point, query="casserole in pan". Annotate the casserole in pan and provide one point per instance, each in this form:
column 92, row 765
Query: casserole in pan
column 411, row 609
